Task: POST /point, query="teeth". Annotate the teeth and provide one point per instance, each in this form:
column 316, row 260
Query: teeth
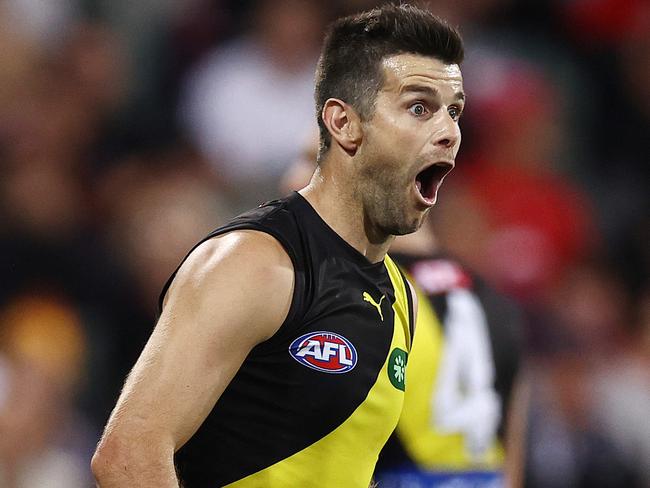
column 418, row 185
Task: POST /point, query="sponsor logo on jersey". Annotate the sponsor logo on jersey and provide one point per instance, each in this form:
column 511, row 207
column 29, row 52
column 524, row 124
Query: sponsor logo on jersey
column 368, row 298
column 324, row 351
column 397, row 368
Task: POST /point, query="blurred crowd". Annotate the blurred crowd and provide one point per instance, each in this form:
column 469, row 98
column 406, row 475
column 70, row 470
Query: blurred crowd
column 128, row 130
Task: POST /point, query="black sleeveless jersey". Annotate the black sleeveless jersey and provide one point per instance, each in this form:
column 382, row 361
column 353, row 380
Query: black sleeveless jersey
column 314, row 404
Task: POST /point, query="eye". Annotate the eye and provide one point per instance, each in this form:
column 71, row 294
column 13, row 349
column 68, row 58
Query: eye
column 454, row 112
column 418, row 109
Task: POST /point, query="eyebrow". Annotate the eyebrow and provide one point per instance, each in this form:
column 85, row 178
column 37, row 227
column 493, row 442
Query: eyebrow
column 427, row 90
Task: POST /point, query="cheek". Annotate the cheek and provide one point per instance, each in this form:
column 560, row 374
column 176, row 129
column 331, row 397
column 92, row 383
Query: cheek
column 405, row 140
column 392, row 146
column 393, row 127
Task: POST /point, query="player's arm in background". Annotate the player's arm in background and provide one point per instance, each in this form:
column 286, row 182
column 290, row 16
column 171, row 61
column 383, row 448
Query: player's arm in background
column 516, row 427
column 232, row 293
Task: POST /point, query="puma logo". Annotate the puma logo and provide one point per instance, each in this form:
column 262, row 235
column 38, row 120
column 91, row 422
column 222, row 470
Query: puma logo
column 371, row 301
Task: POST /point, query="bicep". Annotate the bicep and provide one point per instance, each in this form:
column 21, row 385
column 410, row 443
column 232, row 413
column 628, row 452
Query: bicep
column 226, row 298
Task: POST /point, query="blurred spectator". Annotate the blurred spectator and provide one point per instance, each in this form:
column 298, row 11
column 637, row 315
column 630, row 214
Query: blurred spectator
column 591, row 308
column 622, row 392
column 248, row 102
column 44, row 440
column 567, row 446
column 591, row 403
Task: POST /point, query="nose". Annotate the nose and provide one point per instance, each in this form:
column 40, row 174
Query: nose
column 447, row 133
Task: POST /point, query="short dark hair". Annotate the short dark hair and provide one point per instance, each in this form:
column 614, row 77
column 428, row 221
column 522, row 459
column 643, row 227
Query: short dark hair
column 349, row 67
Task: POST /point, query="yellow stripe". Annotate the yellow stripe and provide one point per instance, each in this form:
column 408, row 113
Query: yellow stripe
column 400, row 307
column 346, row 457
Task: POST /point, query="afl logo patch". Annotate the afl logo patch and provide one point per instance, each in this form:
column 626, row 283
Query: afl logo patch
column 324, row 351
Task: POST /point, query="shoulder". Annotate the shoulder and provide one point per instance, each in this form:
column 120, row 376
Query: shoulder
column 243, row 271
column 251, row 247
column 264, row 236
column 249, row 255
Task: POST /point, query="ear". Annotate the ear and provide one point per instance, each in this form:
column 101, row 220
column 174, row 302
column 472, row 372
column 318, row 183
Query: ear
column 343, row 124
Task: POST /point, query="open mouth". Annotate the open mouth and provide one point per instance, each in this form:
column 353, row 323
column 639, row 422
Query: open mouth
column 428, row 180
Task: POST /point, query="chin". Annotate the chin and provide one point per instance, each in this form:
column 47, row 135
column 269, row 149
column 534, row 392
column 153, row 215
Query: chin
column 404, row 228
column 397, row 220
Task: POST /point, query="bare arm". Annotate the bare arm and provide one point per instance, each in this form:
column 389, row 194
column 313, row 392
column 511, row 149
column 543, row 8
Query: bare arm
column 232, row 293
column 517, row 423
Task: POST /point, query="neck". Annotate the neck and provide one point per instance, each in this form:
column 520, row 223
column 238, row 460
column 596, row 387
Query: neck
column 337, row 203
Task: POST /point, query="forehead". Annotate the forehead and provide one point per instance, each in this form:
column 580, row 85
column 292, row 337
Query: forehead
column 404, row 69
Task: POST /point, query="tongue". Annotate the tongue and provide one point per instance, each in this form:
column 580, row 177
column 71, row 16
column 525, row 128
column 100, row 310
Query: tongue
column 418, row 185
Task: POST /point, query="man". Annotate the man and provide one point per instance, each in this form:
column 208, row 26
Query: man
column 279, row 356
column 459, row 411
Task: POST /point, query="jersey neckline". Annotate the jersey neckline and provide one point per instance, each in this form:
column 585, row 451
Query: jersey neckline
column 311, row 213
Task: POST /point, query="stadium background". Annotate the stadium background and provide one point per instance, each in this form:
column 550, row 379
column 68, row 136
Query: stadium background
column 130, row 129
